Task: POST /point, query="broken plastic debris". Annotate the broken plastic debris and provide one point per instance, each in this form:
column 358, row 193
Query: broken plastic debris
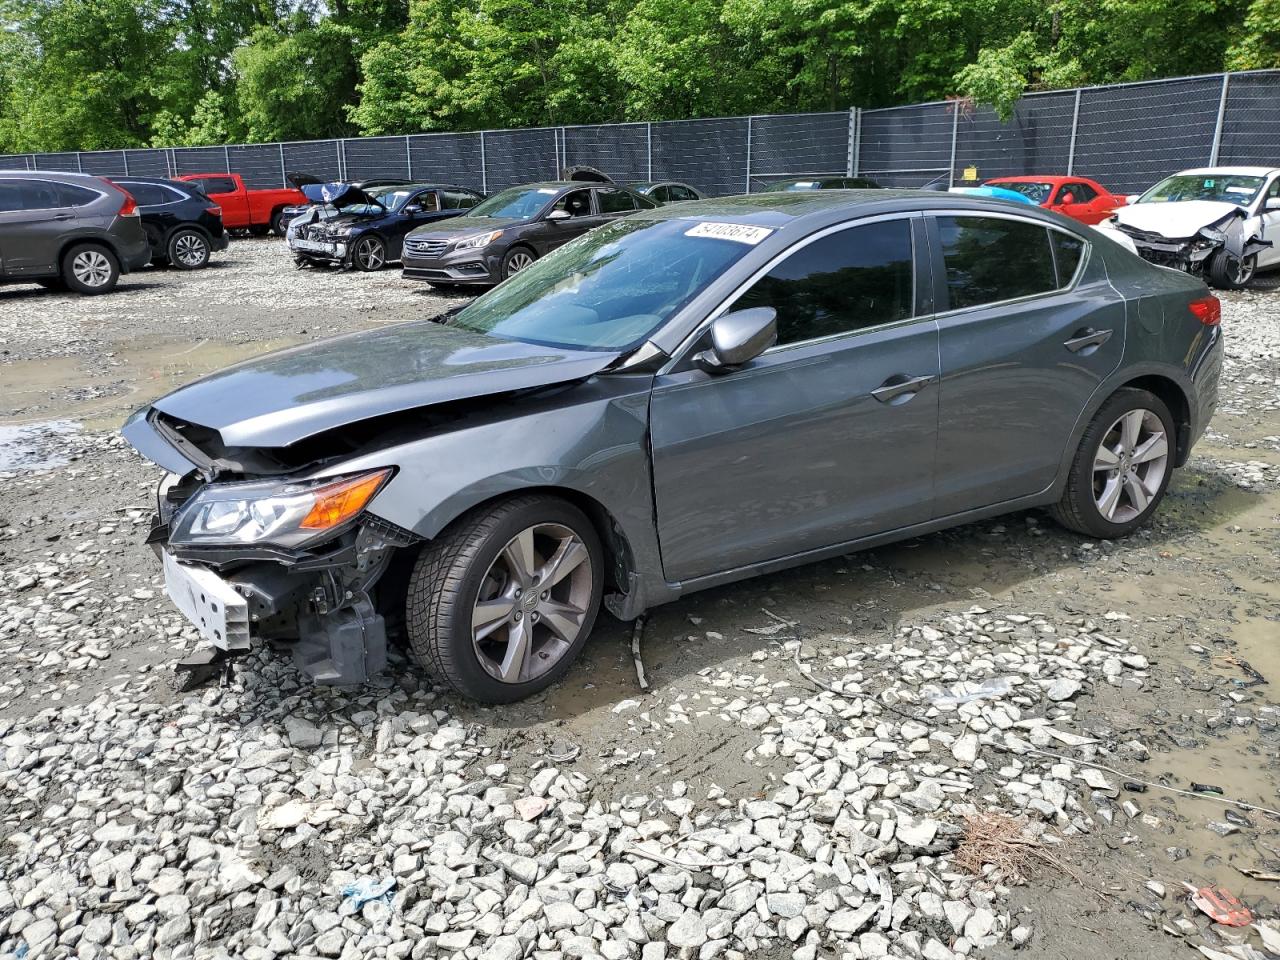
column 1206, row 788
column 1095, row 779
column 967, row 693
column 1222, row 906
column 366, row 889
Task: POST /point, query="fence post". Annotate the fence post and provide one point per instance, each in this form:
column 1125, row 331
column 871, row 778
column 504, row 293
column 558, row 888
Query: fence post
column 284, row 176
column 80, row 161
column 408, row 156
column 226, row 159
column 857, row 142
column 955, row 133
column 124, row 155
column 342, row 159
column 748, row 190
column 1075, row 125
column 1217, row 128
column 648, row 149
column 484, row 169
column 851, row 146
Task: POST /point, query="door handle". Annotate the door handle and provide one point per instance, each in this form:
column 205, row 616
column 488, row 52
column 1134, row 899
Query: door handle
column 1087, row 337
column 65, row 216
column 899, row 388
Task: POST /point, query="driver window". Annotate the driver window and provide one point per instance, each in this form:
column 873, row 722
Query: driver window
column 427, row 200
column 576, row 204
column 849, row 280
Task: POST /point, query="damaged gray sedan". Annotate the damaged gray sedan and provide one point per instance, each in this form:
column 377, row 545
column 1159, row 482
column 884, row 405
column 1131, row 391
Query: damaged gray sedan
column 676, row 400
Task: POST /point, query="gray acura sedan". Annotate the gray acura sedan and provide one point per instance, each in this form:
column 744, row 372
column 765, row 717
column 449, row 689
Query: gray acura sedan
column 676, row 400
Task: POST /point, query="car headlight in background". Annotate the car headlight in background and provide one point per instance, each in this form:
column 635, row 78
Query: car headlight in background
column 475, row 243
column 280, row 513
column 1217, row 236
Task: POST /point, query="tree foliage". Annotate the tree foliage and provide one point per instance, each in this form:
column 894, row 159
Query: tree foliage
column 86, row 74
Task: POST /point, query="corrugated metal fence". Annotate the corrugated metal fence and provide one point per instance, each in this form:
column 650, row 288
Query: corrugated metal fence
column 1126, row 136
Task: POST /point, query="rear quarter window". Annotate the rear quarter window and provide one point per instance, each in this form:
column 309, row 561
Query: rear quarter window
column 989, row 259
column 1067, row 251
column 149, row 194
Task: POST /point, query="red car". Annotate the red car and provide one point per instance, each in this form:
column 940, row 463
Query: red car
column 1078, row 197
column 245, row 209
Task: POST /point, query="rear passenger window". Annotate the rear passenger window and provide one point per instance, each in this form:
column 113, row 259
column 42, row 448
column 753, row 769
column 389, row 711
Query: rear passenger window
column 148, row 194
column 1067, row 251
column 72, row 196
column 849, row 280
column 10, row 195
column 615, row 201
column 459, row 199
column 988, row 260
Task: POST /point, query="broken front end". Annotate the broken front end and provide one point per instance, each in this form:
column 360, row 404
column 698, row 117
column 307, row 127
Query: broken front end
column 251, row 547
column 1194, row 254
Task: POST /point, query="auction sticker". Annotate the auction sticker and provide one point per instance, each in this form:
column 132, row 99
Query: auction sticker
column 738, row 232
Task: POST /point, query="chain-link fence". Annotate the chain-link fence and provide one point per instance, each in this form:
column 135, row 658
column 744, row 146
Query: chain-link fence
column 1126, row 136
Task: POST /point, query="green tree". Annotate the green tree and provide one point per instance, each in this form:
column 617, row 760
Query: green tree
column 1258, row 46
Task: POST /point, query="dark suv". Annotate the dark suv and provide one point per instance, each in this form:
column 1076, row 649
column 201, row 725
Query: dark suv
column 182, row 225
column 68, row 230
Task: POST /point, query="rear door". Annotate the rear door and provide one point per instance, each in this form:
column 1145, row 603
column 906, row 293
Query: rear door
column 827, row 437
column 1027, row 333
column 32, row 234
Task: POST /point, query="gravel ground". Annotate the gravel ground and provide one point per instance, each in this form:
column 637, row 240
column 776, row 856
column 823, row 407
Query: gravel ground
column 933, row 749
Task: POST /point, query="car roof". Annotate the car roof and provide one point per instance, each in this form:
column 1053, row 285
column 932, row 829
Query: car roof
column 565, row 184
column 70, row 175
column 1231, row 171
column 802, row 211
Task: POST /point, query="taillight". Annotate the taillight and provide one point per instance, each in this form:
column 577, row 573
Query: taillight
column 130, row 206
column 216, row 211
column 1208, row 310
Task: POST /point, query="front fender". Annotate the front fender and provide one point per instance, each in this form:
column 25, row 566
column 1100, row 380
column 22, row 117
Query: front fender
column 591, row 439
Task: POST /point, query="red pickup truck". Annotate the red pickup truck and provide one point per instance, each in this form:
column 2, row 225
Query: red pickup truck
column 245, row 209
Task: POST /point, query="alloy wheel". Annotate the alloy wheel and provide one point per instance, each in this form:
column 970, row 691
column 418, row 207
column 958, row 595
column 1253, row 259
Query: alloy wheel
column 369, row 254
column 532, row 603
column 190, row 249
column 92, row 268
column 1244, row 270
column 1129, row 466
column 519, row 260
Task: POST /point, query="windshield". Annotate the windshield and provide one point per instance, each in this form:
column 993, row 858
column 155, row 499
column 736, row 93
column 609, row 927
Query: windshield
column 1223, row 188
column 611, row 288
column 1037, row 192
column 519, row 203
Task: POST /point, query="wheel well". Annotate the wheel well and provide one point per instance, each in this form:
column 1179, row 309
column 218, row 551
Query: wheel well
column 87, row 241
column 618, row 559
column 521, row 245
column 197, row 228
column 1176, row 400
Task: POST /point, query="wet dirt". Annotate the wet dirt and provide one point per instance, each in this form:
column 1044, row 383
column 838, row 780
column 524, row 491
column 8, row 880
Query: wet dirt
column 1198, row 590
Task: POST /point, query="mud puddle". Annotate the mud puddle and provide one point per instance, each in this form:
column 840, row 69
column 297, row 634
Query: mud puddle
column 100, row 391
column 34, row 447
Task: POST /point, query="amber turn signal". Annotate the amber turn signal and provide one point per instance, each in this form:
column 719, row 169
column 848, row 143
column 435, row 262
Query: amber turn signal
column 339, row 502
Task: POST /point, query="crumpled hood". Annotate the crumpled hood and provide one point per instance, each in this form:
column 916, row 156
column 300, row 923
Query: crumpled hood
column 1178, row 220
column 457, row 226
column 280, row 398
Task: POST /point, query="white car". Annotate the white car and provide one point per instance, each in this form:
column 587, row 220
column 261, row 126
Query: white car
column 1222, row 223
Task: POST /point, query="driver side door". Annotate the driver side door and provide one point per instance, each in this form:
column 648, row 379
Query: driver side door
column 549, row 233
column 827, row 437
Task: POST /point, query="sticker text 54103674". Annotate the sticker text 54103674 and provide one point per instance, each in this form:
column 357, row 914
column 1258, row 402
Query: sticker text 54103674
column 738, row 232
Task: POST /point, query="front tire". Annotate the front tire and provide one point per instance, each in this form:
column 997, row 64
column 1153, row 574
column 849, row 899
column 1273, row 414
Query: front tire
column 370, row 254
column 90, row 269
column 1228, row 273
column 188, row 250
column 502, row 602
column 516, row 259
column 279, row 226
column 1122, row 467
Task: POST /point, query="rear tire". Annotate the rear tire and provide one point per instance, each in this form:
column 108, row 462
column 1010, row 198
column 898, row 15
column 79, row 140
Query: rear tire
column 278, row 225
column 90, row 269
column 1122, row 467
column 478, row 612
column 188, row 250
column 1228, row 273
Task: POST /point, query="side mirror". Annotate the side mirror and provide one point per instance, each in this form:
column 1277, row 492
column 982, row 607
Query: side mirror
column 1272, row 205
column 413, row 209
column 559, row 215
column 739, row 337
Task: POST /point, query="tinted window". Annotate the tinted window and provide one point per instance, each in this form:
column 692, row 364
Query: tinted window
column 860, row 277
column 1067, row 251
column 427, row 200
column 148, row 194
column 682, row 194
column 458, row 199
column 615, row 201
column 40, row 195
column 10, row 195
column 988, row 260
column 645, row 203
column 660, row 194
column 217, row 185
column 71, row 196
column 1076, row 193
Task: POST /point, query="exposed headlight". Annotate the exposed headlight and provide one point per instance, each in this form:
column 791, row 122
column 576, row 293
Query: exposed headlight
column 270, row 511
column 475, row 243
column 1217, row 236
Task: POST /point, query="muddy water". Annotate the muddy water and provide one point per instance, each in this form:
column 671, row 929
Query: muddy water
column 99, row 391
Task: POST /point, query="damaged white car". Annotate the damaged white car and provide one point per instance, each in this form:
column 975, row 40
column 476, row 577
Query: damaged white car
column 1222, row 223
